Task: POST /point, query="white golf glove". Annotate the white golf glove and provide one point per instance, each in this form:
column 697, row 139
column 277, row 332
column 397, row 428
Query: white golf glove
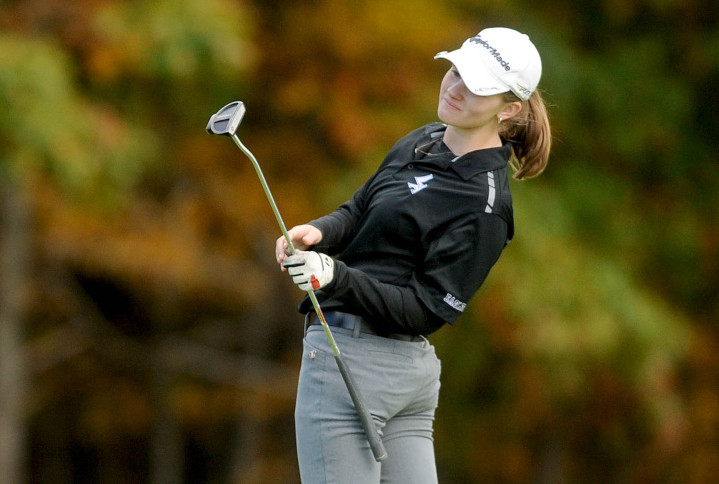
column 310, row 270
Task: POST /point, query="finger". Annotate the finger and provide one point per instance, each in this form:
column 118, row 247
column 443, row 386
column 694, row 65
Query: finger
column 279, row 249
column 313, row 236
column 310, row 239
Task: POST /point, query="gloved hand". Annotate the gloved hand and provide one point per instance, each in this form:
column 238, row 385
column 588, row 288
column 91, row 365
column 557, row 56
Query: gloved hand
column 310, row 270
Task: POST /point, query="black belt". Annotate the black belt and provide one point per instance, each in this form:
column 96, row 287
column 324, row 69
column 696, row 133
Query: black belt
column 355, row 323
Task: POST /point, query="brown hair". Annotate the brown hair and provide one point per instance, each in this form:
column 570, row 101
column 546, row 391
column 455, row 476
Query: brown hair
column 530, row 136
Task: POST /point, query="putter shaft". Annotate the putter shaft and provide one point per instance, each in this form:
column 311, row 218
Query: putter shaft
column 373, row 434
column 276, row 211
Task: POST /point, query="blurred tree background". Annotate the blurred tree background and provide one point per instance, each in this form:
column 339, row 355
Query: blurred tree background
column 146, row 334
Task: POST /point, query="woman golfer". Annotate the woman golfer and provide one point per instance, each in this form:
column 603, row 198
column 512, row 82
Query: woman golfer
column 405, row 255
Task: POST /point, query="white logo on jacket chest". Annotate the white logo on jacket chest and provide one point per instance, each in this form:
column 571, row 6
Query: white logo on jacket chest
column 421, row 183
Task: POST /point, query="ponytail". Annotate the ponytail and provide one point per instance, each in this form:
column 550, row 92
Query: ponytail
column 530, row 136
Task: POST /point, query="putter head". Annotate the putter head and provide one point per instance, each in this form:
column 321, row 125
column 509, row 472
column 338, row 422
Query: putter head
column 226, row 120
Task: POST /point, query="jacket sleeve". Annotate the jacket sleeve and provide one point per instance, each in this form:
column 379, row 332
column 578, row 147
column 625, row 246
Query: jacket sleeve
column 454, row 268
column 338, row 229
column 398, row 308
column 458, row 262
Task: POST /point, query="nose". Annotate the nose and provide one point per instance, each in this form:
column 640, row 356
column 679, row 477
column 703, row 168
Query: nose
column 457, row 88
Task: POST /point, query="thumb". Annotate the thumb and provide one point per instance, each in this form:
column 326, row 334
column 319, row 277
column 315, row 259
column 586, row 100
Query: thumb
column 311, row 238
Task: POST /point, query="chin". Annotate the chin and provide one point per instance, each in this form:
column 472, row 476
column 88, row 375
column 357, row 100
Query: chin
column 444, row 117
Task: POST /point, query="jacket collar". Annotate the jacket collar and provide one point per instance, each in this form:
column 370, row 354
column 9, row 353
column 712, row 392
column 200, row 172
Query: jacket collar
column 467, row 165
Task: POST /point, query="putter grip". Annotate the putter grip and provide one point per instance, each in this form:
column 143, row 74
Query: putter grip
column 373, row 435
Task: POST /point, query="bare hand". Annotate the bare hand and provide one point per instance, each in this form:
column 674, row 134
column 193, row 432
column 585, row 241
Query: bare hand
column 303, row 237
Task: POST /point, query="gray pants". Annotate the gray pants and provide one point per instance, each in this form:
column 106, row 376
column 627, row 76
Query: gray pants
column 399, row 381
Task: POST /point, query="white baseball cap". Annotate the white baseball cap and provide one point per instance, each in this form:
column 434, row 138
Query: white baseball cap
column 497, row 60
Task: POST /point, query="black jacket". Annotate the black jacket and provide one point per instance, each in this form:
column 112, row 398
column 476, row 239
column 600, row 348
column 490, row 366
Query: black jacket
column 418, row 239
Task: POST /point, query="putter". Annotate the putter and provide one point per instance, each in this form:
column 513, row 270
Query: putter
column 225, row 122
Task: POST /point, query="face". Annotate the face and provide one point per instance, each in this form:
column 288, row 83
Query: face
column 461, row 108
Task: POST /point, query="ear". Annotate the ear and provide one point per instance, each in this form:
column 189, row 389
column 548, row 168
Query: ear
column 510, row 110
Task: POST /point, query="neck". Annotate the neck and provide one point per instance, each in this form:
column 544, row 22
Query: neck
column 462, row 141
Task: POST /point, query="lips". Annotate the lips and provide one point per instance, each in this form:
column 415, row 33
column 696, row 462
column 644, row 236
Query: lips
column 451, row 105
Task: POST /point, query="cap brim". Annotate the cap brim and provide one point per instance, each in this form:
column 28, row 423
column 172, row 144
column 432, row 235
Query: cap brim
column 476, row 77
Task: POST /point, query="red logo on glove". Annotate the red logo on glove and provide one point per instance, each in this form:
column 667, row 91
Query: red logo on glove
column 315, row 282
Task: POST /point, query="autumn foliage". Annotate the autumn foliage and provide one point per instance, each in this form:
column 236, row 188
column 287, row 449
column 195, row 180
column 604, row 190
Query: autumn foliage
column 146, row 334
